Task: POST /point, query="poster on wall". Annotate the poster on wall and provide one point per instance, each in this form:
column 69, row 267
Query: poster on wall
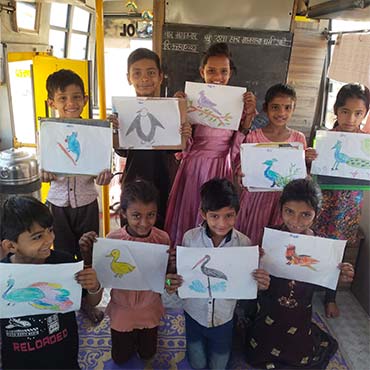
column 75, row 146
column 216, row 106
column 148, row 123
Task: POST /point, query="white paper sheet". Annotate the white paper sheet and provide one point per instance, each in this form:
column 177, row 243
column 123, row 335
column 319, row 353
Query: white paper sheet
column 342, row 154
column 301, row 257
column 124, row 264
column 27, row 290
column 216, row 106
column 268, row 168
column 221, row 272
column 70, row 148
column 146, row 123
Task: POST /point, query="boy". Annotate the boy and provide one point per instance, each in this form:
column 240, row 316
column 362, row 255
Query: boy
column 73, row 199
column 48, row 341
column 209, row 322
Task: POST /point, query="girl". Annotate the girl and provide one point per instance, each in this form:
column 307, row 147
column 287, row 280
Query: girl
column 282, row 334
column 259, row 209
column 341, row 210
column 145, row 75
column 209, row 153
column 135, row 315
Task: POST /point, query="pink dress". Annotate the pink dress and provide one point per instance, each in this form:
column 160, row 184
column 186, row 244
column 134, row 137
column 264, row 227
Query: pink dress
column 132, row 309
column 261, row 209
column 209, row 154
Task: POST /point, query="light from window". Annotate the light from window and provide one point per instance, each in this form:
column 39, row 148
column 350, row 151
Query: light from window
column 26, row 15
column 57, row 41
column 77, row 49
column 80, row 20
column 58, row 15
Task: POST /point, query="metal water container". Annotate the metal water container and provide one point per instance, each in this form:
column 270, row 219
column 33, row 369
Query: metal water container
column 19, row 174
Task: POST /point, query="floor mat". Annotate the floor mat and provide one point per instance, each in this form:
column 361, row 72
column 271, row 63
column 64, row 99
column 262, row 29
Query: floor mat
column 95, row 347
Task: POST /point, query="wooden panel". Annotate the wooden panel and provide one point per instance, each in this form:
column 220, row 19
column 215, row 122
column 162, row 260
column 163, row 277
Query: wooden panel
column 305, row 71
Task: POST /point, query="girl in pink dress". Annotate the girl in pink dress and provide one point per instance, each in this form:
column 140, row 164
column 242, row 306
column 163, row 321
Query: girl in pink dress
column 209, row 153
column 135, row 315
column 260, row 209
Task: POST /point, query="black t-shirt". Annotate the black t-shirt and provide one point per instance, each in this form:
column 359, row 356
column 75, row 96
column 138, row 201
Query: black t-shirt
column 41, row 341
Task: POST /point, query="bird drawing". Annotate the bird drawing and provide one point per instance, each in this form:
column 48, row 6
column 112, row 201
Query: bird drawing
column 299, row 259
column 73, row 145
column 119, row 268
column 277, row 179
column 41, row 295
column 205, row 102
column 145, row 124
column 209, row 272
column 340, row 157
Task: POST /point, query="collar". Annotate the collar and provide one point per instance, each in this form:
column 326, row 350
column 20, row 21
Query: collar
column 226, row 239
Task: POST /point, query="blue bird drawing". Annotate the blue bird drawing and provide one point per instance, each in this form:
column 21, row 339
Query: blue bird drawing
column 145, row 124
column 205, row 102
column 340, row 157
column 277, row 179
column 73, row 145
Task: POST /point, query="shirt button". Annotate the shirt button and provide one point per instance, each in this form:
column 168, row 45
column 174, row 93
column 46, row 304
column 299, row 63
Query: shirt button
column 70, row 189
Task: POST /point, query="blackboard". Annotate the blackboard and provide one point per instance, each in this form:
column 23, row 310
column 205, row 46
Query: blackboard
column 261, row 57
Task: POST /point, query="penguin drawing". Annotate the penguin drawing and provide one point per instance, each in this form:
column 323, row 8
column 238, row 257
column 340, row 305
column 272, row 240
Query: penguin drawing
column 145, row 125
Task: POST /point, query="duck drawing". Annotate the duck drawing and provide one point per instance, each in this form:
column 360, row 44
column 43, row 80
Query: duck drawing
column 277, row 179
column 299, row 259
column 340, row 157
column 119, row 268
column 145, row 124
column 41, row 295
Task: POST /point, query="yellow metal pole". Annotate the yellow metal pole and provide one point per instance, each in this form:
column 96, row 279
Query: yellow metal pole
column 102, row 105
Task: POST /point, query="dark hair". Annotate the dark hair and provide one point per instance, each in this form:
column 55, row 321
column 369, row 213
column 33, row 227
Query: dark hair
column 20, row 213
column 138, row 191
column 219, row 49
column 279, row 90
column 143, row 53
column 61, row 79
column 218, row 193
column 302, row 190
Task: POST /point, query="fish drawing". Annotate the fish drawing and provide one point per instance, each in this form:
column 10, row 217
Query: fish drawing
column 303, row 260
column 145, row 124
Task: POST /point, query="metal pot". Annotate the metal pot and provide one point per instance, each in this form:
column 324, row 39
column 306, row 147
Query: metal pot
column 19, row 172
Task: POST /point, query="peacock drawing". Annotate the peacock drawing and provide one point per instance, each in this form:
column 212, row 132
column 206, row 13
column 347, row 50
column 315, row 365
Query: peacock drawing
column 346, row 159
column 41, row 295
column 277, row 179
column 119, row 268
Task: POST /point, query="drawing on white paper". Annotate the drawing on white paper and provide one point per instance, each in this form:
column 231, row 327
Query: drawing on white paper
column 341, row 157
column 145, row 124
column 119, row 268
column 277, row 179
column 303, row 260
column 73, row 145
column 209, row 273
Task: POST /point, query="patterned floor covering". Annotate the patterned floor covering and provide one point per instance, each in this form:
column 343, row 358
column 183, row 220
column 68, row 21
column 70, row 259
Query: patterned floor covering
column 95, row 347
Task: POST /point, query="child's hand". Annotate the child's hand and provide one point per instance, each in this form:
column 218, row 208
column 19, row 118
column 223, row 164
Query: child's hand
column 104, row 178
column 88, row 280
column 346, row 272
column 250, row 103
column 331, row 310
column 172, row 259
column 310, row 155
column 261, row 252
column 263, row 279
column 86, row 245
column 180, row 95
column 186, row 130
column 47, row 176
column 173, row 282
column 239, row 175
column 113, row 119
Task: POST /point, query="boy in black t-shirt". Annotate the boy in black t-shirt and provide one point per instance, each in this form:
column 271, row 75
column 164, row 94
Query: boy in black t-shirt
column 47, row 341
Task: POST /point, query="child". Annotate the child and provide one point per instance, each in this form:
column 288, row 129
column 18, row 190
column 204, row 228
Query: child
column 209, row 323
column 282, row 335
column 341, row 209
column 46, row 341
column 260, row 209
column 135, row 315
column 145, row 74
column 209, row 154
column 73, row 199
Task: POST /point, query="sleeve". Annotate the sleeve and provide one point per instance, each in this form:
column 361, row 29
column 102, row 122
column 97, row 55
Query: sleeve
column 186, row 240
column 237, row 139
